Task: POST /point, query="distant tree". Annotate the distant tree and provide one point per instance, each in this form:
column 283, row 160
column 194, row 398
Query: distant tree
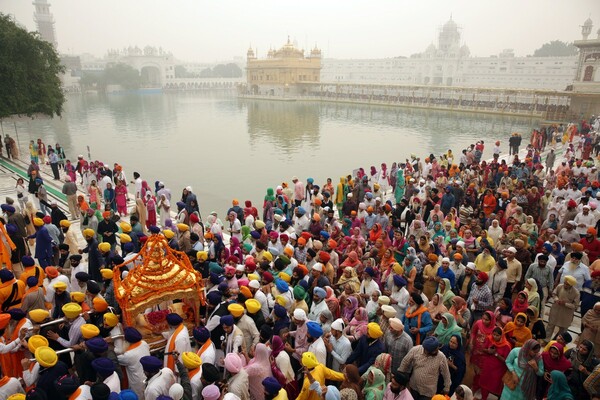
column 230, row 70
column 556, row 48
column 121, row 74
column 206, row 73
column 29, row 71
column 181, row 72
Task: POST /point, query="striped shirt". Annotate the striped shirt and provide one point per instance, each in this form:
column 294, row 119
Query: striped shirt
column 483, row 295
column 424, row 371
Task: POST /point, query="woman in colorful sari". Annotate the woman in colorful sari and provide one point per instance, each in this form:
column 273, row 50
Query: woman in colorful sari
column 436, row 308
column 525, row 365
column 493, row 363
column 516, row 332
column 446, row 291
column 554, row 360
column 480, row 331
column 357, row 327
column 520, row 304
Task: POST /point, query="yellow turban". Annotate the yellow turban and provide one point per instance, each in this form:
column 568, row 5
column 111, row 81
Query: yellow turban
column 71, row 310
column 89, row 331
column 268, row 256
column 60, row 285
column 285, row 277
column 77, row 297
column 65, row 223
column 202, row 255
column 253, row 277
column 281, row 300
column 253, row 305
column 125, row 238
column 36, row 341
column 374, row 330
column 383, row 300
column 111, row 319
column 38, row 222
column 38, row 315
column 107, row 273
column 309, row 360
column 16, row 396
column 88, row 233
column 104, row 247
column 236, row 310
column 46, row 356
column 570, row 280
column 191, row 360
column 125, row 227
column 398, row 270
column 168, row 233
column 183, row 227
column 259, row 224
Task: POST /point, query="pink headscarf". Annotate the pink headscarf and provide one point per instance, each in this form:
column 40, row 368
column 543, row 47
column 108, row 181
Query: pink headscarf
column 259, row 368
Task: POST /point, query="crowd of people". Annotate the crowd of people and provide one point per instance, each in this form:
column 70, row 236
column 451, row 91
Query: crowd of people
column 428, row 280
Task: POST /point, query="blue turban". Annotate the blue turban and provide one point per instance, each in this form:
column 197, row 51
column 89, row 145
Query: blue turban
column 154, row 229
column 301, row 210
column 32, row 281
column 17, row 314
column 281, row 285
column 227, row 320
column 548, row 247
column 214, row 297
column 319, row 291
column 399, row 281
column 271, row 385
column 314, row 329
column 431, row 344
column 201, row 334
column 370, row 271
column 27, row 261
column 103, row 366
column 223, row 286
column 151, row 363
column 82, row 276
column 132, row 335
column 128, row 394
column 279, row 311
column 128, row 247
column 174, row 319
column 6, row 275
column 255, row 235
column 96, row 345
column 325, row 234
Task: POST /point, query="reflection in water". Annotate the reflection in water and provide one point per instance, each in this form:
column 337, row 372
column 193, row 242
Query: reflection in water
column 228, row 148
column 284, row 123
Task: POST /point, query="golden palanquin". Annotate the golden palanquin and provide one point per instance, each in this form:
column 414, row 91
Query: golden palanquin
column 164, row 274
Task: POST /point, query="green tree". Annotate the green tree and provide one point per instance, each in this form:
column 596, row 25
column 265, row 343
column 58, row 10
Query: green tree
column 556, row 48
column 121, row 74
column 29, row 71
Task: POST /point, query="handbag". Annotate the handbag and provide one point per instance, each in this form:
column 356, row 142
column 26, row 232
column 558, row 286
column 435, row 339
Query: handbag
column 508, row 381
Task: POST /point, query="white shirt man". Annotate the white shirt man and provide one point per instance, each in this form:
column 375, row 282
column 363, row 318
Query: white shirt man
column 130, row 359
column 178, row 333
column 159, row 384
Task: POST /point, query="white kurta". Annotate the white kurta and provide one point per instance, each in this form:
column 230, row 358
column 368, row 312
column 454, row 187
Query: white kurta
column 159, row 384
column 113, row 383
column 82, row 267
column 182, row 343
column 85, row 393
column 11, row 387
column 130, row 359
column 30, row 376
column 319, row 350
column 209, row 355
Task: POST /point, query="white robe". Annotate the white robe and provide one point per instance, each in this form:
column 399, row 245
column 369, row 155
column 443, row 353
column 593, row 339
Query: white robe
column 209, row 355
column 182, row 343
column 11, row 387
column 85, row 394
column 130, row 359
column 159, row 384
column 113, row 383
column 82, row 267
column 319, row 350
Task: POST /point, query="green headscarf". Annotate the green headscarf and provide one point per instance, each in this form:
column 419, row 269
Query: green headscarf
column 445, row 333
column 559, row 390
column 375, row 390
column 448, row 294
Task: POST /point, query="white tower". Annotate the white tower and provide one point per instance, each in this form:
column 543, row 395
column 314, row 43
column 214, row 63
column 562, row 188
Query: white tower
column 44, row 21
column 586, row 28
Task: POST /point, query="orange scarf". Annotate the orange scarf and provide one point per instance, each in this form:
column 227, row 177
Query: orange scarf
column 75, row 394
column 171, row 359
column 134, row 346
column 417, row 313
column 15, row 333
column 192, row 373
column 4, row 380
column 204, row 347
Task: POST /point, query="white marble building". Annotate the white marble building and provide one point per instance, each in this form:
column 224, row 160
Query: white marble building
column 450, row 64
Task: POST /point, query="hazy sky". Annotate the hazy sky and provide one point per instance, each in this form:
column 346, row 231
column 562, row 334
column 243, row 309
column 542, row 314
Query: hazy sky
column 218, row 30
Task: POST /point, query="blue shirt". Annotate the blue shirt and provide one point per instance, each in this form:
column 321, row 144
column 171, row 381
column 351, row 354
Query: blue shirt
column 449, row 274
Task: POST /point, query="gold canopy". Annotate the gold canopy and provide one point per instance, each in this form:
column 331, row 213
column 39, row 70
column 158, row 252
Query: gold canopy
column 165, row 274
